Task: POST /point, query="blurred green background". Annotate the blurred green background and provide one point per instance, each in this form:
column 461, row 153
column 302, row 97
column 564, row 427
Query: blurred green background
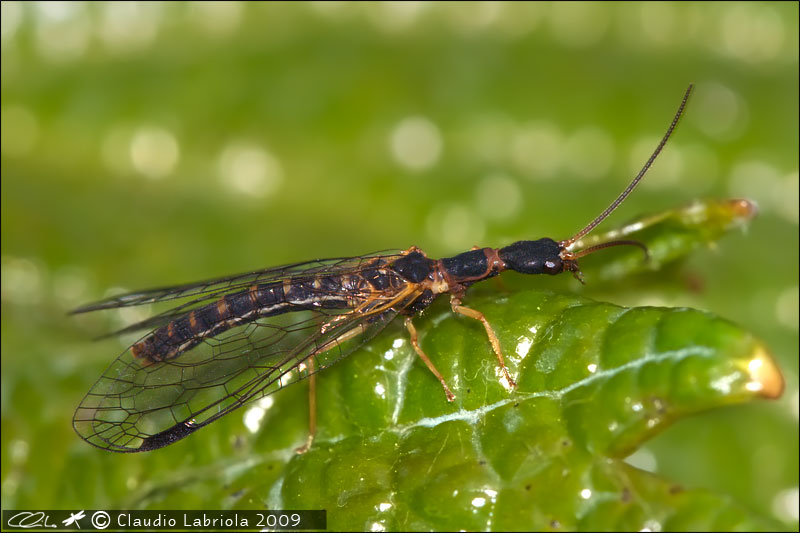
column 146, row 144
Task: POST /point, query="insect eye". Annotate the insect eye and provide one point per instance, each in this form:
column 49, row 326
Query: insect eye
column 553, row 267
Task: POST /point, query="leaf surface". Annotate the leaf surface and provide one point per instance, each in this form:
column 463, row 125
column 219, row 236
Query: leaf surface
column 594, row 382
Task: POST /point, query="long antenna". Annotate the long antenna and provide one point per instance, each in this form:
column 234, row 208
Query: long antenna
column 637, row 179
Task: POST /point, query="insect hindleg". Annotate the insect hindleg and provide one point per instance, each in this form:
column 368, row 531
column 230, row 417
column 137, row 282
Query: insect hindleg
column 455, row 304
column 415, row 343
column 312, row 407
column 312, row 383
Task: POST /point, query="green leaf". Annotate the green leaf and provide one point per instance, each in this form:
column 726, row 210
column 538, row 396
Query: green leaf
column 669, row 235
column 594, row 382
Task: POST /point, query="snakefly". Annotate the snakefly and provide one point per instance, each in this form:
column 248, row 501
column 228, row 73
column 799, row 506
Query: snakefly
column 227, row 342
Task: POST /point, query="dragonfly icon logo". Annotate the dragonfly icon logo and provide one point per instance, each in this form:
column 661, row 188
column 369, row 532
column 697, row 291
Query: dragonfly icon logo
column 74, row 518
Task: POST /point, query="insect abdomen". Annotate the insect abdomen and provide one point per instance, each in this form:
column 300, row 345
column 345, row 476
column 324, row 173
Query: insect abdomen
column 186, row 332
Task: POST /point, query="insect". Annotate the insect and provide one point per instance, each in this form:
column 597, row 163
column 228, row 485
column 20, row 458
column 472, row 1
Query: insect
column 236, row 339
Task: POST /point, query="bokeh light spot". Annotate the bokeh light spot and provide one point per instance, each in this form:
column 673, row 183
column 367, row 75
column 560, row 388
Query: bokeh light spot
column 718, row 112
column 248, row 168
column 22, row 280
column 10, row 20
column 578, row 24
column 127, row 26
column 455, row 226
column 416, row 143
column 752, row 32
column 498, row 197
column 62, row 30
column 589, row 153
column 537, row 149
column 217, row 18
column 154, row 152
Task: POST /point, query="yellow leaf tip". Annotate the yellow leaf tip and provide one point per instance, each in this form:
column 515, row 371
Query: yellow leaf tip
column 765, row 376
column 743, row 208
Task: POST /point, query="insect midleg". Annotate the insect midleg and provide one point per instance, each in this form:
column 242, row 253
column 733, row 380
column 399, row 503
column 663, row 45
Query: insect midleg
column 311, row 365
column 415, row 343
column 455, row 304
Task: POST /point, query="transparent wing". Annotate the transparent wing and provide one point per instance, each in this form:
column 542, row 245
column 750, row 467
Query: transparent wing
column 203, row 292
column 143, row 403
column 213, row 288
column 138, row 405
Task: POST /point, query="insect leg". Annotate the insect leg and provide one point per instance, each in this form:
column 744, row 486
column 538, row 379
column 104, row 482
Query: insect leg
column 312, row 383
column 455, row 304
column 312, row 407
column 415, row 343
